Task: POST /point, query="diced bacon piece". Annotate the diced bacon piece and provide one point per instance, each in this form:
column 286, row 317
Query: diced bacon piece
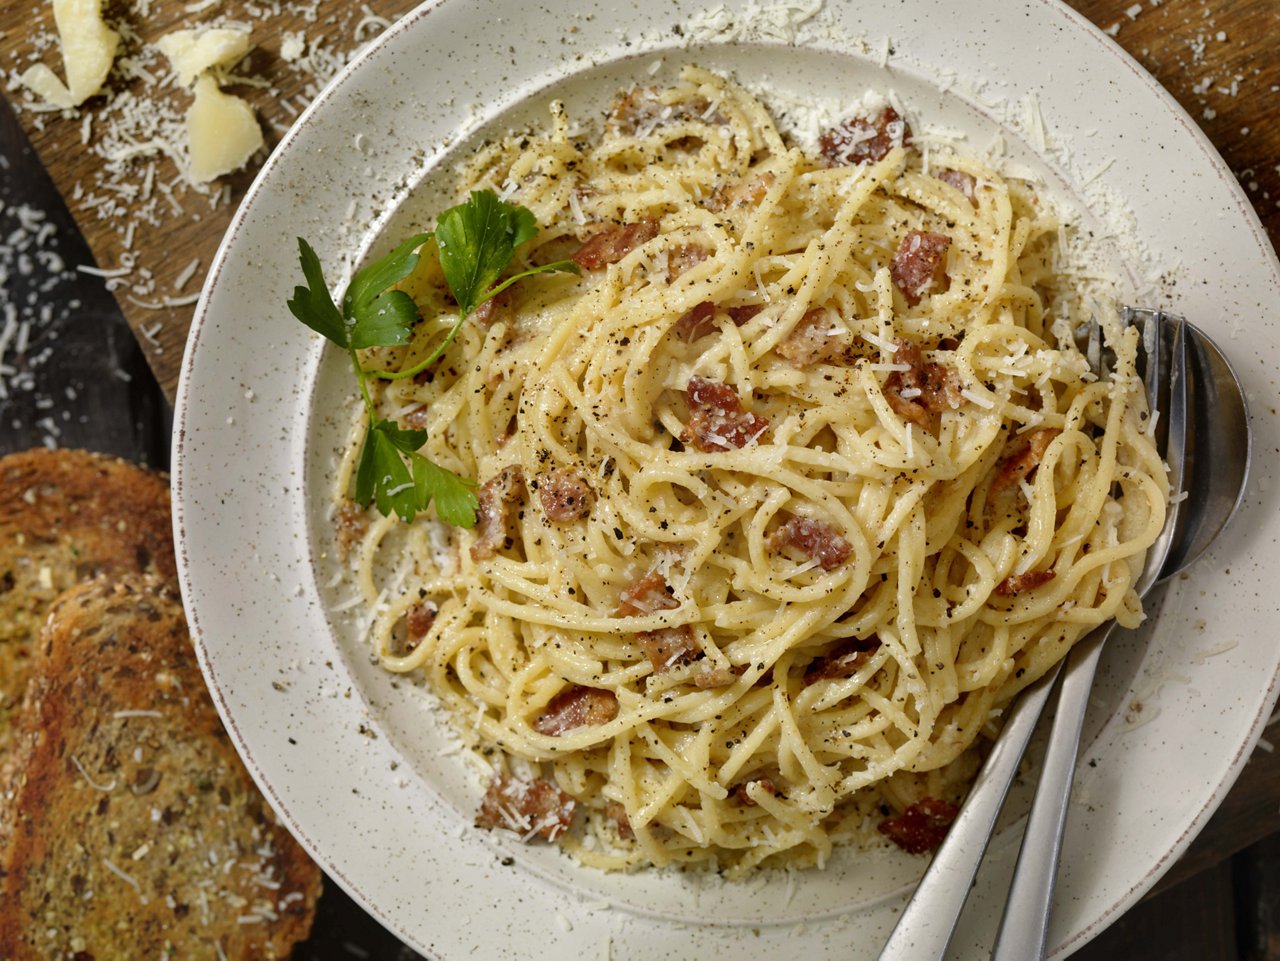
column 740, row 315
column 921, row 827
column 967, row 184
column 718, row 677
column 717, row 419
column 640, row 111
column 816, row 540
column 1019, row 465
column 697, row 322
column 351, row 523
column 531, row 808
column 683, row 257
column 920, row 265
column 417, row 622
column 497, row 496
column 816, row 340
column 496, row 308
column 610, row 245
column 617, row 812
column 416, row 417
column 859, row 140
column 565, row 495
column 647, row 595
column 845, row 660
column 1017, row 583
column 574, row 707
column 740, row 795
column 923, row 392
column 669, row 647
column 742, row 193
column 666, row 647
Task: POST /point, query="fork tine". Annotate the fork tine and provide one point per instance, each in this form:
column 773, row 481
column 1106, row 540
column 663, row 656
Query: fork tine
column 1024, row 927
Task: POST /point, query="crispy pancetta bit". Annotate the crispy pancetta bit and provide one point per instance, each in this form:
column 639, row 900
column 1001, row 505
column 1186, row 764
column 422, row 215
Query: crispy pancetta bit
column 1017, row 583
column 920, row 265
column 565, row 496
column 717, row 419
column 740, row 795
column 699, row 320
column 1021, row 463
column 418, row 620
column 611, row 244
column 923, row 392
column 640, row 110
column 683, row 258
column 963, row 182
column 496, row 308
column 921, row 827
column 816, row 340
column 816, row 540
column 351, row 521
column 844, row 661
column 497, row 496
column 667, row 647
column 533, row 808
column 743, row 193
column 576, row 706
column 862, row 140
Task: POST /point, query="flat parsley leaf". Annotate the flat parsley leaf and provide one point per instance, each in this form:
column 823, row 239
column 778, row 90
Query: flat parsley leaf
column 383, row 317
column 313, row 304
column 475, row 242
column 455, row 497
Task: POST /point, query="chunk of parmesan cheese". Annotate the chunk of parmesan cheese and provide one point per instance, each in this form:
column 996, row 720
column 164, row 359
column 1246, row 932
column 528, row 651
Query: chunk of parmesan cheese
column 192, row 52
column 88, row 50
column 223, row 133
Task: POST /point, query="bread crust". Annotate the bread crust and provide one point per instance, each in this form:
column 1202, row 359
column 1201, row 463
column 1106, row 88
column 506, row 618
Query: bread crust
column 66, row 516
column 133, row 828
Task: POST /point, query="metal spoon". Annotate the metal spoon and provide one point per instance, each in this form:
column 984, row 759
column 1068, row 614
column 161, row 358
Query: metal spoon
column 1218, row 422
column 1024, row 927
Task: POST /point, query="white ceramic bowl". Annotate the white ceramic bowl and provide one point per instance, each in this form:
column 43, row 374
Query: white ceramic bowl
column 360, row 766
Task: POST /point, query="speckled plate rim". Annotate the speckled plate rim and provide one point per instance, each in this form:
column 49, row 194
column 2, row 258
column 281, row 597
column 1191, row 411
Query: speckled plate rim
column 240, row 451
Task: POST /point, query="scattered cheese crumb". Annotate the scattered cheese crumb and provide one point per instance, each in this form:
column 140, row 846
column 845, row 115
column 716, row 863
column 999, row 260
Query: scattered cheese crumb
column 222, row 130
column 293, row 46
column 88, row 50
column 192, row 52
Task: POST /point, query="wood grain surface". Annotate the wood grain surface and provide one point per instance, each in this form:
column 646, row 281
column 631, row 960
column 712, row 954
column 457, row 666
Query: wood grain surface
column 1219, row 59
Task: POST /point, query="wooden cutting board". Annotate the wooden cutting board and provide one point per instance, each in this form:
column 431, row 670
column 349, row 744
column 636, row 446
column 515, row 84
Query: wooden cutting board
column 1219, row 59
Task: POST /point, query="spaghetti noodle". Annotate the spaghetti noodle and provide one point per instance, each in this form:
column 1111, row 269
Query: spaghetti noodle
column 783, row 498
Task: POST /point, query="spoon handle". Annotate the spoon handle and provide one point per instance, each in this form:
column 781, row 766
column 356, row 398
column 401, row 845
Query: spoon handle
column 1024, row 928
column 929, row 919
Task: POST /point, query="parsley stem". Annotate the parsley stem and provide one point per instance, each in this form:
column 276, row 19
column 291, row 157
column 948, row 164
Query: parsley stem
column 565, row 265
column 363, row 380
column 423, row 364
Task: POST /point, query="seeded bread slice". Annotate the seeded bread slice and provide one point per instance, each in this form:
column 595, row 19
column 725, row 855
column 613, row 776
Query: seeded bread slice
column 66, row 516
column 130, row 828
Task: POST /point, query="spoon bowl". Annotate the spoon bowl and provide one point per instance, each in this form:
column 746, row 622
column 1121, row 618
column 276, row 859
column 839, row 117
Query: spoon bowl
column 1219, row 447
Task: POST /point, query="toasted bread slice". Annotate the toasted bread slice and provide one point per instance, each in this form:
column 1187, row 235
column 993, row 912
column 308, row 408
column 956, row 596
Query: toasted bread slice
column 134, row 830
column 66, row 516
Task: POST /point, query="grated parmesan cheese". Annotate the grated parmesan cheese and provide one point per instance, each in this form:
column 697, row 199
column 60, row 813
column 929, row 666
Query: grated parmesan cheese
column 194, row 52
column 222, row 132
column 88, row 49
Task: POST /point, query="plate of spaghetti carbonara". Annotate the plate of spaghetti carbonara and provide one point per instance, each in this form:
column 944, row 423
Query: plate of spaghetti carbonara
column 718, row 464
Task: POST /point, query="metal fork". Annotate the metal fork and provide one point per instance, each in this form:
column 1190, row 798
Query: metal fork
column 928, row 921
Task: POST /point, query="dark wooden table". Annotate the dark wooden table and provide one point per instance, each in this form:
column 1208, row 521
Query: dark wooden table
column 1219, row 58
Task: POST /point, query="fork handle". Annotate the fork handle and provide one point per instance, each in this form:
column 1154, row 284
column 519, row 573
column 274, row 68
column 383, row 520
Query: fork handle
column 1024, row 928
column 929, row 919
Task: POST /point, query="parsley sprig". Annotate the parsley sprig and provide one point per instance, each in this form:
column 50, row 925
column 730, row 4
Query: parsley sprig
column 475, row 243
